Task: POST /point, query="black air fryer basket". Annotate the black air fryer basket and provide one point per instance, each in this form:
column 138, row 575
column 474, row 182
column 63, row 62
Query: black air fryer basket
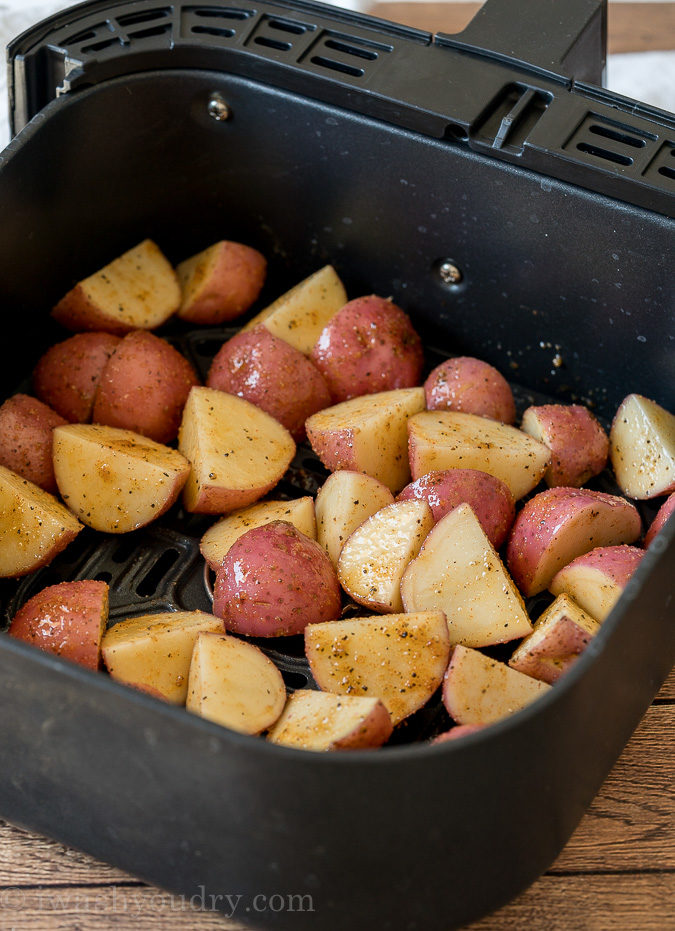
column 318, row 135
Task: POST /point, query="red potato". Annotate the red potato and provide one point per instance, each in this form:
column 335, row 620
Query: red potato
column 489, row 498
column 560, row 636
column 274, row 581
column 368, row 346
column 460, row 730
column 321, row 721
column 472, row 386
column 67, row 619
column 273, row 375
column 34, row 525
column 26, row 427
column 67, row 375
column 343, row 503
column 144, row 387
column 579, row 445
column 560, row 524
column 138, row 290
column 642, row 448
column 659, row 522
column 220, row 283
column 596, row 580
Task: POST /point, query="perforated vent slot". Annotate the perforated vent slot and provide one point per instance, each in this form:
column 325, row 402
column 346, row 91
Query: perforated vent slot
column 99, row 46
column 296, row 29
column 219, row 22
column 667, row 172
column 608, row 133
column 615, row 157
column 351, row 50
column 150, row 582
column 599, row 140
column 151, row 31
column 281, row 34
column 347, row 54
column 662, row 167
column 220, row 12
column 143, row 16
column 213, row 31
column 340, row 66
column 269, row 42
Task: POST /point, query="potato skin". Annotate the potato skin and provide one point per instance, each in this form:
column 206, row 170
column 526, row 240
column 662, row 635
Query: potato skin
column 490, row 499
column 67, row 620
column 67, row 375
column 220, row 283
column 459, row 730
column 273, row 375
column 471, row 386
column 274, row 581
column 144, row 387
column 579, row 445
column 659, row 521
column 369, row 346
column 26, row 427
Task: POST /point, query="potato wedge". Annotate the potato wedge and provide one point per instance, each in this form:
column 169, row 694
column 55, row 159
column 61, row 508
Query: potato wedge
column 138, row 290
column 399, row 659
column 579, row 445
column 34, row 525
column 662, row 515
column 299, row 315
column 237, row 452
column 153, row 652
column 67, row 375
column 375, row 556
column 596, row 580
column 343, row 503
column 459, row 572
column 480, row 690
column 322, row 721
column 559, row 637
column 234, row 684
column 472, row 386
column 218, row 539
column 26, row 428
column 368, row 434
column 116, row 480
column 220, row 283
column 453, row 440
column 642, row 448
column 560, row 524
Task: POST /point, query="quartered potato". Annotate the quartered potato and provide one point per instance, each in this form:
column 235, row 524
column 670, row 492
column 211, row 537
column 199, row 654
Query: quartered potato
column 472, row 386
column 597, row 579
column 322, row 721
column 579, row 445
column 343, row 503
column 220, row 283
column 26, row 431
column 67, row 375
column 642, row 448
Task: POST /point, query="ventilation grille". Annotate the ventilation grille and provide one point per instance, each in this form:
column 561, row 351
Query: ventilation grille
column 120, row 30
column 281, row 35
column 617, row 146
column 218, row 22
column 347, row 55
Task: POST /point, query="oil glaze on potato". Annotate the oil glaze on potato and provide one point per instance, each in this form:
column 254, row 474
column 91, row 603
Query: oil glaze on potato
column 116, row 480
column 560, row 524
column 345, row 500
column 67, row 620
column 273, row 375
column 642, row 448
column 398, row 658
column 26, row 427
column 596, row 580
column 489, row 498
column 274, row 581
column 34, row 525
column 67, row 375
column 472, row 386
column 579, row 445
column 664, row 512
column 321, row 721
column 138, row 290
column 368, row 434
column 220, row 283
column 368, row 346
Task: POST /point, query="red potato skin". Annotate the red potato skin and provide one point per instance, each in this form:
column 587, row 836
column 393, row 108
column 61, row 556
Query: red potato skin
column 76, row 311
column 234, row 285
column 67, row 620
column 617, row 563
column 67, row 375
column 491, row 500
column 471, row 386
column 212, row 499
column 460, row 730
column 144, row 387
column 579, row 445
column 335, row 449
column 659, row 522
column 375, row 731
column 26, row 428
column 274, row 581
column 273, row 375
column 368, row 346
column 566, row 646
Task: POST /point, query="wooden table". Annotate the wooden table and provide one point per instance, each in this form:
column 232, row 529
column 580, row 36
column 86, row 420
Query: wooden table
column 616, row 874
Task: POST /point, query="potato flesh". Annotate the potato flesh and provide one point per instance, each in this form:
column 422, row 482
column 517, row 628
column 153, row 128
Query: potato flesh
column 459, row 572
column 450, row 439
column 218, row 539
column 376, row 555
column 234, row 684
column 399, row 659
column 115, row 480
column 343, row 503
column 596, row 580
column 34, row 526
column 642, row 448
column 322, row 721
column 299, row 315
column 154, row 651
column 481, row 690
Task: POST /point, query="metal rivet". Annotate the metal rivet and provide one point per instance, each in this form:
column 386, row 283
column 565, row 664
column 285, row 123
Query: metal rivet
column 449, row 273
column 217, row 108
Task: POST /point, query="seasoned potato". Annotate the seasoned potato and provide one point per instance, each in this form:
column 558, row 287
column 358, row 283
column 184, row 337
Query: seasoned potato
column 472, row 386
column 273, row 375
column 274, row 581
column 67, row 375
column 220, row 283
column 138, row 290
column 144, row 387
column 579, row 445
column 26, row 427
column 596, row 579
column 321, row 721
column 664, row 512
column 67, row 620
column 642, row 448
column 460, row 730
column 343, row 503
column 368, row 346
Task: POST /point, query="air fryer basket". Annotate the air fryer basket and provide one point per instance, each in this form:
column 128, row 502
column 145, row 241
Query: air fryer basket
column 385, row 152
